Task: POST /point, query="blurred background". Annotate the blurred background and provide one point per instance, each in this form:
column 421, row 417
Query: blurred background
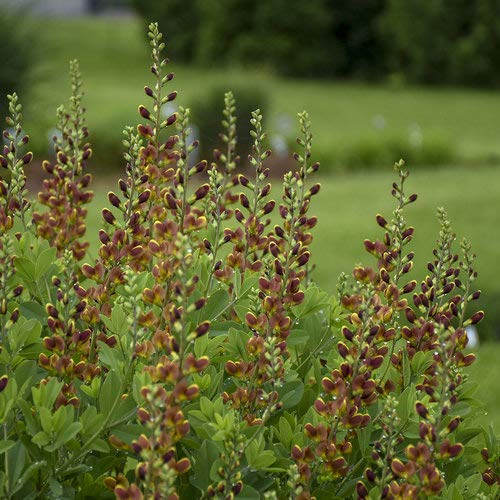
column 381, row 79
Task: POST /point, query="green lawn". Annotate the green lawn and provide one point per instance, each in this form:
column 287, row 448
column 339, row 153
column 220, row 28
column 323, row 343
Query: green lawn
column 114, row 61
column 346, row 207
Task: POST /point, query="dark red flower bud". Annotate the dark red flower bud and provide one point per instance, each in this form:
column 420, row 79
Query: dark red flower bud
column 361, row 490
column 171, row 96
column 171, row 119
column 3, row 382
column 202, row 328
column 27, row 157
column 421, row 409
column 268, row 207
column 113, row 199
column 381, row 221
column 244, row 200
column 144, row 112
column 144, row 196
column 202, row 191
column 315, row 189
column 303, row 258
column 108, row 216
column 148, row 91
column 476, row 317
column 409, row 287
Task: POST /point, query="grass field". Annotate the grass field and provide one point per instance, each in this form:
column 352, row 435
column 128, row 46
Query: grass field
column 114, row 61
column 347, row 116
column 346, row 208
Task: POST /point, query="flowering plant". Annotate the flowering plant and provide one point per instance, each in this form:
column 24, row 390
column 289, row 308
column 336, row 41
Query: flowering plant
column 195, row 357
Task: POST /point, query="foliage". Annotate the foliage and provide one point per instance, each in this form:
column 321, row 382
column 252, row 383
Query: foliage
column 197, row 337
column 179, row 20
column 205, row 116
column 16, row 53
column 444, row 41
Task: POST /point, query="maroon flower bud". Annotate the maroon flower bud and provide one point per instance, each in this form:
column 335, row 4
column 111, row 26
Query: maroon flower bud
column 27, row 158
column 265, row 190
column 348, row 335
column 343, row 350
column 170, row 201
column 171, row 96
column 113, row 199
column 315, row 189
column 144, row 196
column 202, row 328
column 17, row 291
column 171, row 119
column 454, row 424
column 278, row 267
column 409, row 287
column 410, row 315
column 148, row 91
column 381, row 221
column 370, row 475
column 279, row 231
column 202, row 191
column 361, row 490
column 14, row 315
column 303, row 259
column 268, row 207
column 412, row 198
column 476, row 295
column 108, row 216
column 244, row 200
column 421, row 409
column 3, row 382
column 408, row 232
column 476, row 317
column 144, row 112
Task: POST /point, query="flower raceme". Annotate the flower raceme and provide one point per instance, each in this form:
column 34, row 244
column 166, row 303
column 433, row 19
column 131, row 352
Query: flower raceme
column 195, row 356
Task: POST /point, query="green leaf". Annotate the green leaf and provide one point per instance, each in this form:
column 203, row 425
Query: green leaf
column 111, row 358
column 17, row 457
column 44, row 261
column 66, row 435
column 250, row 281
column 291, row 393
column 248, row 493
column 285, row 432
column 108, row 392
column 46, row 394
column 6, row 445
column 421, row 361
column 32, row 310
column 315, row 300
column 216, row 304
column 207, row 454
column 406, row 369
column 25, row 268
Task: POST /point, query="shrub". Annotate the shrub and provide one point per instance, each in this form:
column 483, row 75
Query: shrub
column 178, row 19
column 15, row 53
column 206, row 117
column 191, row 359
column 444, row 41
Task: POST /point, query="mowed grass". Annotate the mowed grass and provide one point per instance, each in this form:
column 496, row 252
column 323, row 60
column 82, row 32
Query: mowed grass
column 115, row 63
column 346, row 207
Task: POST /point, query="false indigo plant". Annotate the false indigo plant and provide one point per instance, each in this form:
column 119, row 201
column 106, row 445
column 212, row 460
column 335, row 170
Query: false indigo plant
column 195, row 356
